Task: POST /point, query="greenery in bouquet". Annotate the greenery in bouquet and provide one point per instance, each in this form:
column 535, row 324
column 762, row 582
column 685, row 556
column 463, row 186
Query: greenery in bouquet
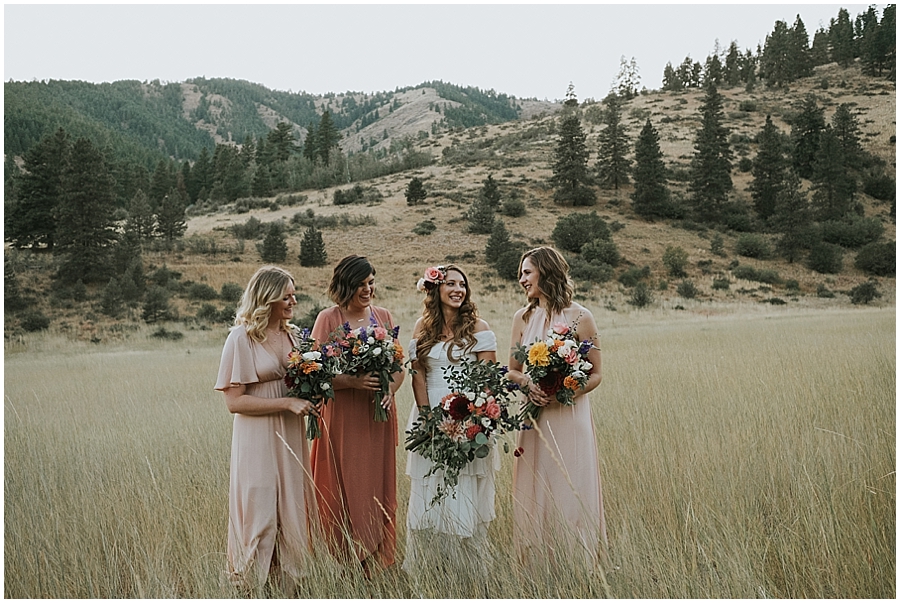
column 372, row 349
column 557, row 364
column 311, row 368
column 466, row 423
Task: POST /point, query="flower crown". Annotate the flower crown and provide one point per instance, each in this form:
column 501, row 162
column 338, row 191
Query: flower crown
column 434, row 276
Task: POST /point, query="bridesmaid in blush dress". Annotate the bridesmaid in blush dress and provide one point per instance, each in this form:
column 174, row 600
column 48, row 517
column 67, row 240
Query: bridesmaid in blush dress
column 354, row 462
column 271, row 508
column 557, row 500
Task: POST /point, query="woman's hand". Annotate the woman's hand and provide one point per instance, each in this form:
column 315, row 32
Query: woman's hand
column 388, row 401
column 367, row 382
column 302, row 407
column 536, row 395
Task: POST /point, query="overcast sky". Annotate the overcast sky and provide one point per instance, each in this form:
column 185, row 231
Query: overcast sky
column 525, row 50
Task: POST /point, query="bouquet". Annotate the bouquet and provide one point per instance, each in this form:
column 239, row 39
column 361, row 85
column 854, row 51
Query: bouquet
column 372, row 349
column 558, row 365
column 309, row 373
column 465, row 424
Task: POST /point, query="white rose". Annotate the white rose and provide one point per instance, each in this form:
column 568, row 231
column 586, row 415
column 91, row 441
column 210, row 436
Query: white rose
column 587, row 365
column 485, row 422
column 479, row 402
column 578, row 375
column 376, row 351
column 370, row 340
column 482, row 395
column 326, row 386
column 470, row 396
column 311, row 355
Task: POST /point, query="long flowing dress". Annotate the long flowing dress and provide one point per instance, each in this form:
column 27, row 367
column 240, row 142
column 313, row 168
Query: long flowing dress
column 271, row 506
column 354, row 465
column 466, row 516
column 557, row 498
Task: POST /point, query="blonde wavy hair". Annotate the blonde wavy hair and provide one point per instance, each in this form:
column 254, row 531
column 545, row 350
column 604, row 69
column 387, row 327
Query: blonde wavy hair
column 553, row 280
column 265, row 287
column 433, row 322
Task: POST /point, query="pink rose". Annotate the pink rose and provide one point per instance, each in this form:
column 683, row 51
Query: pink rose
column 380, row 333
column 492, row 410
column 560, row 328
column 572, row 357
column 433, row 274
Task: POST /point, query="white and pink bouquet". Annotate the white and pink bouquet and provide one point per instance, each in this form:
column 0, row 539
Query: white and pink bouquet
column 466, row 423
column 557, row 364
column 371, row 349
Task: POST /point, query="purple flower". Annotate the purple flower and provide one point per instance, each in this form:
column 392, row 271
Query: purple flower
column 585, row 347
column 305, row 333
column 396, row 331
column 347, row 328
column 504, row 370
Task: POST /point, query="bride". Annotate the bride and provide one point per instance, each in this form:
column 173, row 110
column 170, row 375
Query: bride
column 454, row 529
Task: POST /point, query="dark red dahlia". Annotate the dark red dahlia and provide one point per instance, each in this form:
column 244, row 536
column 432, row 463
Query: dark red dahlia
column 459, row 408
column 551, row 383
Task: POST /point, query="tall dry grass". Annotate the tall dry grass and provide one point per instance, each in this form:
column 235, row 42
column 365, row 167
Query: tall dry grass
column 742, row 456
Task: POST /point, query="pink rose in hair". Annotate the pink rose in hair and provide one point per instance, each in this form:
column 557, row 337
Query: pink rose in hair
column 433, row 274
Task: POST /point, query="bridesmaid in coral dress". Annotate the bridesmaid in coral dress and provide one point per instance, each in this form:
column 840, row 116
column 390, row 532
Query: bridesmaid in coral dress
column 354, row 462
column 557, row 499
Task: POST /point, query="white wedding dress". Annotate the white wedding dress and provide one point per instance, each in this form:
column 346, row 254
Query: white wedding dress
column 456, row 526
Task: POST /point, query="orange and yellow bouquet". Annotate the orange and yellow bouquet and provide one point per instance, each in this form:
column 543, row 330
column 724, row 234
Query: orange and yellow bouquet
column 371, row 349
column 558, row 364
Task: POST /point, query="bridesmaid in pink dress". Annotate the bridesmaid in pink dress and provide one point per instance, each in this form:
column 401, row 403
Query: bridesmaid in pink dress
column 271, row 507
column 557, row 500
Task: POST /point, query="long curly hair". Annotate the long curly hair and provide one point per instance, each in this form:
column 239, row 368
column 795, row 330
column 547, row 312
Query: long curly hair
column 553, row 280
column 265, row 287
column 433, row 322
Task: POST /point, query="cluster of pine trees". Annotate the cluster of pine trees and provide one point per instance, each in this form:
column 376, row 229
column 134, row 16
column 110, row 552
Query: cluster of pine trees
column 788, row 55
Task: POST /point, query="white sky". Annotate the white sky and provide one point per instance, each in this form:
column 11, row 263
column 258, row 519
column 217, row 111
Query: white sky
column 525, row 50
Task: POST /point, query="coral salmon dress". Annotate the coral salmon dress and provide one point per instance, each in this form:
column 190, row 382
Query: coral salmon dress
column 354, row 465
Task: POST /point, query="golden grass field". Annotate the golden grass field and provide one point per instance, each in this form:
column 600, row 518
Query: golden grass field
column 744, row 455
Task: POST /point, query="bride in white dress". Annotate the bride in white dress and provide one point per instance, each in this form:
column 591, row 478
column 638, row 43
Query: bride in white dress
column 454, row 529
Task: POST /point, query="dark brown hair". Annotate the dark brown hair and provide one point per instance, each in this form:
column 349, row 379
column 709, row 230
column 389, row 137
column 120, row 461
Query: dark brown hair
column 348, row 275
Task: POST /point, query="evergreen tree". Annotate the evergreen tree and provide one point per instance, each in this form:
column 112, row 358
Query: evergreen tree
column 86, row 226
column 141, row 220
column 12, row 292
column 328, row 137
column 32, row 218
column 712, row 71
column 612, row 165
column 310, row 144
column 415, row 192
column 571, row 180
column 840, row 34
column 274, row 245
column 481, row 216
column 846, row 128
column 711, row 164
column 156, row 305
column 202, row 176
column 775, row 63
column 791, row 217
column 748, row 70
column 162, row 181
column 651, row 195
column 170, row 217
column 111, row 300
column 280, row 141
column 312, row 248
column 769, row 170
column 833, row 187
column 818, row 54
column 490, row 191
column 798, row 50
column 805, row 132
column 628, row 80
column 230, row 172
column 732, row 71
column 671, row 81
column 498, row 242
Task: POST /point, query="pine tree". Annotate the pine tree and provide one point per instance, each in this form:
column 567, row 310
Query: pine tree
column 162, row 181
column 498, row 242
column 490, row 191
column 713, row 72
column 798, row 50
column 791, row 217
column 571, row 180
column 819, row 54
column 769, row 170
column 32, row 218
column 312, row 248
column 612, row 164
column 230, row 172
column 201, row 176
column 156, row 305
column 170, row 217
column 651, row 195
column 86, row 226
column 274, row 245
column 732, row 71
column 671, row 81
column 111, row 300
column 805, row 132
column 833, row 187
column 141, row 220
column 415, row 192
column 327, row 137
column 480, row 216
column 310, row 144
column 846, row 128
column 280, row 141
column 840, row 34
column 775, row 63
column 711, row 164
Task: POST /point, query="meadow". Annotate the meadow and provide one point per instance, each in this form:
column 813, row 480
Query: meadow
column 744, row 455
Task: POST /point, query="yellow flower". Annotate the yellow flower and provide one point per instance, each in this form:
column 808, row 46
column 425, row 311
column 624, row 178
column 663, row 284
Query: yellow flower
column 538, row 355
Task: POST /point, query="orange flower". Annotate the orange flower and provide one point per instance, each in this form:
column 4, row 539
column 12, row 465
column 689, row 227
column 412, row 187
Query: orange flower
column 556, row 345
column 570, row 383
column 398, row 351
column 310, row 367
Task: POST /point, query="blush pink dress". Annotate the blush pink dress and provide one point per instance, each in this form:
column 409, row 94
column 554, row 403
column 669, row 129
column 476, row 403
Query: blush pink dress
column 270, row 495
column 557, row 501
